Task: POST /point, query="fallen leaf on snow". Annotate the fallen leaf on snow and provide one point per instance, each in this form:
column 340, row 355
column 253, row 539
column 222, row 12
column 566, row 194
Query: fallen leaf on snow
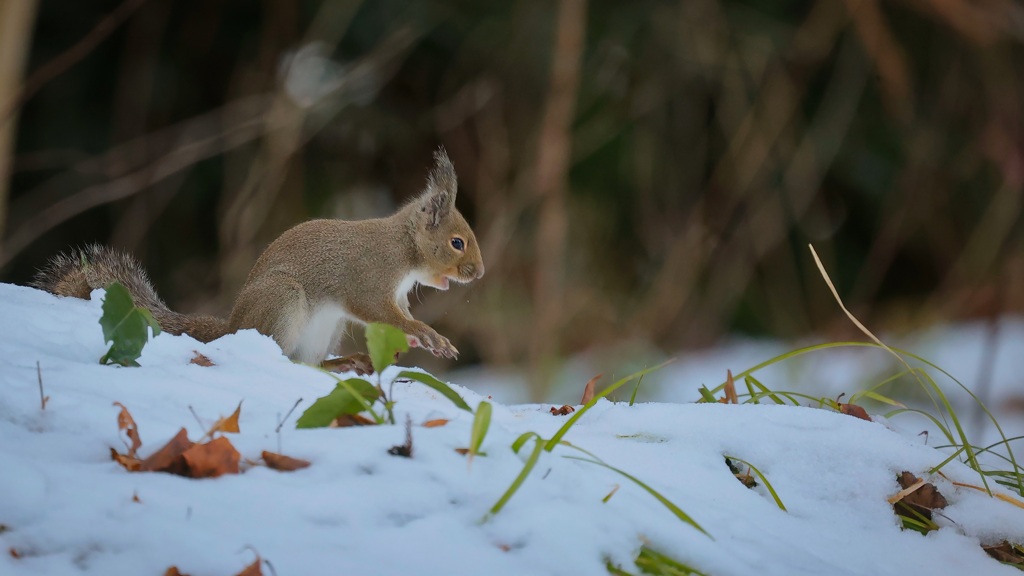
column 1006, row 552
column 169, row 458
column 566, row 409
column 359, row 363
column 215, row 458
column 917, row 495
column 435, row 423
column 855, row 411
column 127, row 423
column 283, row 463
column 201, row 360
column 130, row 463
column 173, row 571
column 226, row 425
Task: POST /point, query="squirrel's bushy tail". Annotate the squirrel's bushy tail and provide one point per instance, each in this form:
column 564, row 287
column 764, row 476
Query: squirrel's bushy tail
column 78, row 272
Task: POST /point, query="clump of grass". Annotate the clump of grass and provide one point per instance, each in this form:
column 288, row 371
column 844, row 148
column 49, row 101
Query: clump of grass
column 944, row 416
column 649, row 561
column 541, row 444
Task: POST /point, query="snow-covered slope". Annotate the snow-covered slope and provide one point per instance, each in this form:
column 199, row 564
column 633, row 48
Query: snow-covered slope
column 66, row 508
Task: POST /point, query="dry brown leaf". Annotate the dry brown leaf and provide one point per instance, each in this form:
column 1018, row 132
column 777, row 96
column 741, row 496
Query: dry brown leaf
column 359, row 363
column 855, row 411
column 168, row 458
column 565, row 409
column 226, row 425
column 135, row 498
column 283, row 463
column 730, row 390
column 130, row 463
column 437, row 422
column 462, row 451
column 212, row 459
column 252, row 569
column 918, row 495
column 588, row 390
column 1005, row 552
column 173, row 571
column 127, row 423
column 201, row 360
column 346, row 420
column 14, row 552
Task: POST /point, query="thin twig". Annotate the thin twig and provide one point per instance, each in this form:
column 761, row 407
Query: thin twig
column 281, row 422
column 196, row 416
column 42, row 399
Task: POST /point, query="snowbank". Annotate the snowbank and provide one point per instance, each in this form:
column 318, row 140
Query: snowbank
column 66, row 508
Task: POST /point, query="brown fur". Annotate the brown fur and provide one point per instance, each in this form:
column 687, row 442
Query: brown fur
column 316, row 276
column 79, row 272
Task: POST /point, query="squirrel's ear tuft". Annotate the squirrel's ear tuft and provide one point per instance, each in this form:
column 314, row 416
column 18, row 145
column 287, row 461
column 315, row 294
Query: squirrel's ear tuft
column 439, row 198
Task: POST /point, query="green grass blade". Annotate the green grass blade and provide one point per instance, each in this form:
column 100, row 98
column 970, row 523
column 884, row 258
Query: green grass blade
column 942, row 428
column 632, row 398
column 651, row 562
column 767, row 484
column 707, row 396
column 444, row 389
column 664, row 501
column 538, row 447
column 754, row 383
column 616, row 571
column 877, row 398
column 576, row 416
column 481, row 423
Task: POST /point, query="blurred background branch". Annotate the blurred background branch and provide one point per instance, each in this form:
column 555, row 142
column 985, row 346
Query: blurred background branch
column 641, row 174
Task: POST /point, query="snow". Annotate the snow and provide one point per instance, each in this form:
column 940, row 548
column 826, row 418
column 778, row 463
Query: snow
column 66, row 508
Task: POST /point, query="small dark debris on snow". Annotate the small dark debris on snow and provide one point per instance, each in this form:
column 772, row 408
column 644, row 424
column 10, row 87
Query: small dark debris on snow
column 745, row 477
column 404, row 449
column 566, row 409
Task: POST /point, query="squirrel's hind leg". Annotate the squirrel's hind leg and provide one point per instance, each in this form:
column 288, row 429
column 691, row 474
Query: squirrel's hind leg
column 275, row 305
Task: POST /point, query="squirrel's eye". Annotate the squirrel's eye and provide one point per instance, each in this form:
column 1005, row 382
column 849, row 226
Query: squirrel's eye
column 458, row 244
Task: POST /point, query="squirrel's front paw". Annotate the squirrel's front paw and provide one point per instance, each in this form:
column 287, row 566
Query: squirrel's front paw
column 433, row 342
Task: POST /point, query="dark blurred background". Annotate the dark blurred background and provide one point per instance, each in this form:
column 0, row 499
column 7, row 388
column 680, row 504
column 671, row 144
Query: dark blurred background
column 644, row 172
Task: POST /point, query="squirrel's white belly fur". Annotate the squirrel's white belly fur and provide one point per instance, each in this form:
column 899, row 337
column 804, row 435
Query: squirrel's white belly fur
column 320, row 333
column 319, row 330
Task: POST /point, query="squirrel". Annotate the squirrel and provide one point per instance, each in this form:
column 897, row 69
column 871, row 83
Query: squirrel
column 315, row 277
